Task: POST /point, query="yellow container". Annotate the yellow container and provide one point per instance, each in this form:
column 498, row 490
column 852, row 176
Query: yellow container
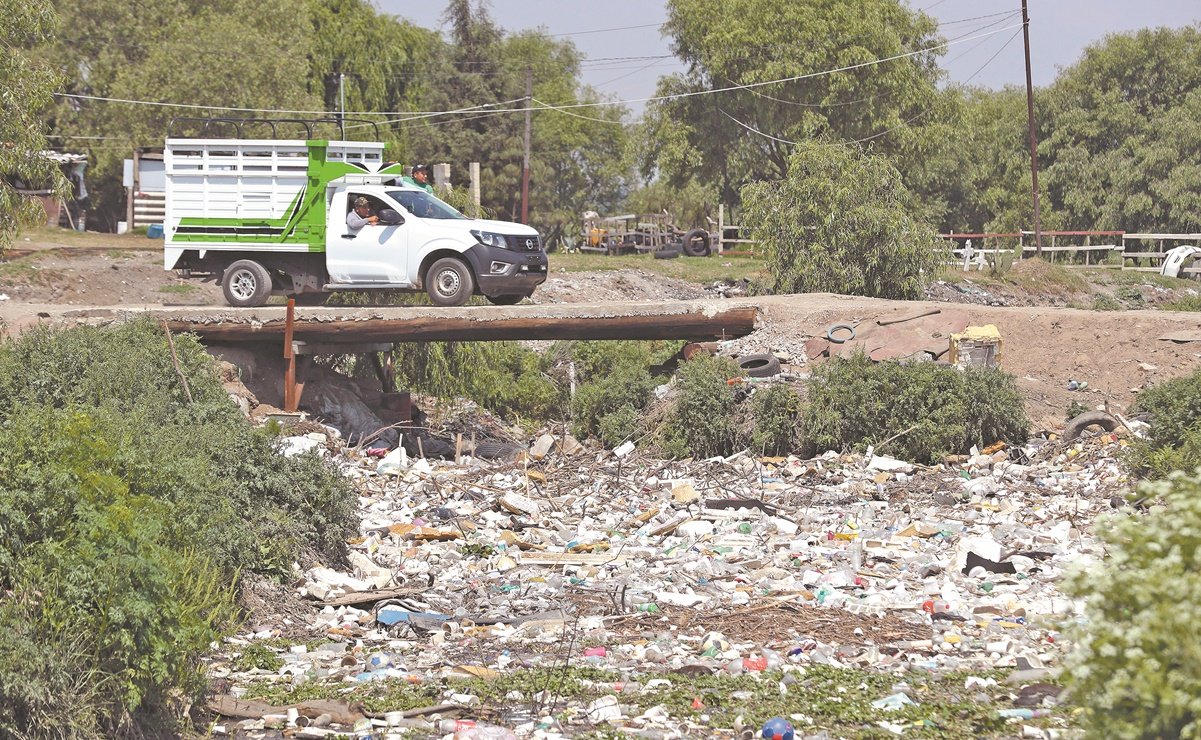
column 976, row 346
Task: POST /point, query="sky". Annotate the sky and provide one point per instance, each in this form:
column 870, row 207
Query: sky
column 1059, row 32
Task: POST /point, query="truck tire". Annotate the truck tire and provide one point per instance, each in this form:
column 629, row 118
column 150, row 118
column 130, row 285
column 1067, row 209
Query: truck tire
column 246, row 284
column 449, row 282
column 759, row 366
column 696, row 243
column 667, row 253
column 1076, row 426
column 505, row 300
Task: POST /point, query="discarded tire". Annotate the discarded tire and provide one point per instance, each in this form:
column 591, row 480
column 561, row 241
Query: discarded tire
column 1076, row 426
column 840, row 327
column 696, row 243
column 759, row 366
column 667, row 254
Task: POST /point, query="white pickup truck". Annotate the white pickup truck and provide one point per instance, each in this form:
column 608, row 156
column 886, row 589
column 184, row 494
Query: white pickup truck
column 268, row 217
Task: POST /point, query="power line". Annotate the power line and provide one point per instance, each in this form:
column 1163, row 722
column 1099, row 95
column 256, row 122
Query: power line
column 657, row 98
column 607, row 30
column 908, row 121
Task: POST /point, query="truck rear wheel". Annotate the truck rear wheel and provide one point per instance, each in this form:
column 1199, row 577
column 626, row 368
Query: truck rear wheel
column 246, row 284
column 449, row 282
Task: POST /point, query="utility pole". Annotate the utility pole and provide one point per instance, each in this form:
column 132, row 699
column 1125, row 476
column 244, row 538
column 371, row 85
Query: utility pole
column 1038, row 232
column 341, row 98
column 525, row 167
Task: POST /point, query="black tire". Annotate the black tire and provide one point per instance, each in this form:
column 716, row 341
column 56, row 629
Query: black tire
column 449, row 282
column 505, row 300
column 246, row 284
column 696, row 243
column 759, row 366
column 1076, row 426
column 666, row 254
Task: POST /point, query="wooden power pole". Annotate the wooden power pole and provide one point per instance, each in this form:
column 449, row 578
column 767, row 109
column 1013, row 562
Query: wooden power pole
column 1038, row 232
column 525, row 167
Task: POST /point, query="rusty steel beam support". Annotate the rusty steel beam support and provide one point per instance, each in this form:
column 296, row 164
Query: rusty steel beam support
column 291, row 397
column 679, row 321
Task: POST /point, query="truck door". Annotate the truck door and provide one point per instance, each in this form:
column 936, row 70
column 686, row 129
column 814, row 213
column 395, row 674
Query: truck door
column 373, row 254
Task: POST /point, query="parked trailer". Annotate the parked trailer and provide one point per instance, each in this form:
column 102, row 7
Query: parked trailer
column 268, row 217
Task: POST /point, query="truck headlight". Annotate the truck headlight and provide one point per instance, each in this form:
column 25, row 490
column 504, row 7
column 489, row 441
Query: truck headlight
column 490, row 239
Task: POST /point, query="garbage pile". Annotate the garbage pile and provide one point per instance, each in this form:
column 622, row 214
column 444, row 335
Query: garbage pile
column 576, row 556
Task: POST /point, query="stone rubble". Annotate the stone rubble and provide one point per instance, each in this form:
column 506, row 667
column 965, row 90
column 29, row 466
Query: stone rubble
column 858, row 560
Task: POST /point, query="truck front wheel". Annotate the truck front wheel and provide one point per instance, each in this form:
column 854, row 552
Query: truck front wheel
column 449, row 282
column 246, row 284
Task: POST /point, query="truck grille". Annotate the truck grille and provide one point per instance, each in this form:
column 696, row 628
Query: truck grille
column 524, row 243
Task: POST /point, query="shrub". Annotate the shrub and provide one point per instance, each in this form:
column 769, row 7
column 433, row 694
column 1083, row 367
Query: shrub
column 840, row 222
column 126, row 514
column 503, row 377
column 1105, row 302
column 1130, row 294
column 1175, row 406
column 1187, row 303
column 701, row 421
column 1159, row 462
column 776, row 410
column 100, row 561
column 617, row 426
column 920, row 412
column 626, row 385
column 1074, row 409
column 1134, row 670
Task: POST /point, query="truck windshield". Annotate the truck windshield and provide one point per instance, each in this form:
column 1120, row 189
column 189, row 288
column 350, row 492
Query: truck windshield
column 424, row 205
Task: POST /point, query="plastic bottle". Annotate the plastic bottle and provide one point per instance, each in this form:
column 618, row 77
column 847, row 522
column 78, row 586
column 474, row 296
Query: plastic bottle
column 777, row 728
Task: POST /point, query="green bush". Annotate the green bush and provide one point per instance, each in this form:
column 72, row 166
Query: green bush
column 1135, row 671
column 503, row 377
column 1175, row 407
column 920, row 412
column 1187, row 303
column 776, row 410
column 701, row 421
column 1158, row 462
column 627, row 385
column 617, row 426
column 1130, row 294
column 841, row 222
column 1105, row 302
column 127, row 513
column 111, row 572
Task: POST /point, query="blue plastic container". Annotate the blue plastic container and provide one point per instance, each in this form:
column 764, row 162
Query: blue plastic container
column 154, row 231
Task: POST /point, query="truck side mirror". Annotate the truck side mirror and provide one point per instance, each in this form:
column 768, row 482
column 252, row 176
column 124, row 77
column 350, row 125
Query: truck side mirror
column 389, row 217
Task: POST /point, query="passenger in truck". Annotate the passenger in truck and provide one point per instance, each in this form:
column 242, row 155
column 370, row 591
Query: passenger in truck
column 362, row 214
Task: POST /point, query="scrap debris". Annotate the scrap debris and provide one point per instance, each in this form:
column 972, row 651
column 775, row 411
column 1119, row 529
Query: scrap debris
column 651, row 568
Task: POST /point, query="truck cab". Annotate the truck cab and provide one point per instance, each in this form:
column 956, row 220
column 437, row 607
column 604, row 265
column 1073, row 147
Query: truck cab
column 269, row 217
column 422, row 242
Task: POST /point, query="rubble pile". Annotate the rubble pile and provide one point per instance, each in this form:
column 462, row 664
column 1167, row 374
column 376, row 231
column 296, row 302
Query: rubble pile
column 652, row 569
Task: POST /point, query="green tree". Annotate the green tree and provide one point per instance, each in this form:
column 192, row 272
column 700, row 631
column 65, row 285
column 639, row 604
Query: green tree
column 976, row 176
column 747, row 42
column 840, row 222
column 229, row 53
column 27, row 86
column 379, row 56
column 1120, row 140
column 578, row 155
